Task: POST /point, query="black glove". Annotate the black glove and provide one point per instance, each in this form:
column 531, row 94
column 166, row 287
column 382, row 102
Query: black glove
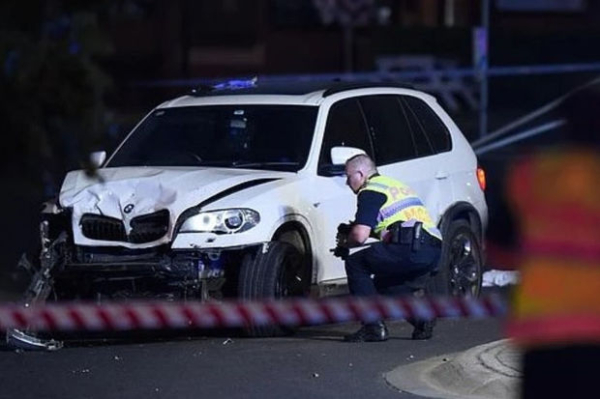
column 344, row 228
column 341, row 252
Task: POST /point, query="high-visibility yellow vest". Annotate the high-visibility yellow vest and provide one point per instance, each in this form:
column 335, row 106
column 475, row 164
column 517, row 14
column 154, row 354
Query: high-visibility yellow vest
column 556, row 197
column 402, row 204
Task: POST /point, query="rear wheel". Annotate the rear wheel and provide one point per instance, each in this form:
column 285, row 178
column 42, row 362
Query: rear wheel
column 461, row 262
column 277, row 270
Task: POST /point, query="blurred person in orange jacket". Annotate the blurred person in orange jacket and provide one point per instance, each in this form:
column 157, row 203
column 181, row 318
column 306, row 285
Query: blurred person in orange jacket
column 556, row 307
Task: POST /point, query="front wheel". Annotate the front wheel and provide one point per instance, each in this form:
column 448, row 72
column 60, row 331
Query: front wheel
column 461, row 262
column 276, row 270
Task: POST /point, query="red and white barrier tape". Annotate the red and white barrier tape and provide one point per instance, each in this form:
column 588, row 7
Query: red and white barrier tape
column 76, row 316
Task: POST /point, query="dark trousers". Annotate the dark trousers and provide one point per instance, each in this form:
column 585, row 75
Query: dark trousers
column 396, row 268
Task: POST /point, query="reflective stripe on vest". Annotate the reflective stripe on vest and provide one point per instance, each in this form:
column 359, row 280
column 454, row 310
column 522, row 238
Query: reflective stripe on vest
column 401, row 204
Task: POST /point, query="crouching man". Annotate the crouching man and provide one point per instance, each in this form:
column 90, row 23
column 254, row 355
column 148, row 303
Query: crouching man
column 406, row 254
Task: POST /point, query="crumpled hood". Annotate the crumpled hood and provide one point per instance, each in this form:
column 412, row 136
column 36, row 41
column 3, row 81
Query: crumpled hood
column 124, row 193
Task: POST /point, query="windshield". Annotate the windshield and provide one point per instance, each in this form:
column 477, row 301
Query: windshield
column 274, row 137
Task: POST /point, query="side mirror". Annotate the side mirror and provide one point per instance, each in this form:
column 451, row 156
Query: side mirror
column 97, row 158
column 339, row 155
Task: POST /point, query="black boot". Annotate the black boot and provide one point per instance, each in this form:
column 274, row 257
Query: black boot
column 423, row 329
column 373, row 332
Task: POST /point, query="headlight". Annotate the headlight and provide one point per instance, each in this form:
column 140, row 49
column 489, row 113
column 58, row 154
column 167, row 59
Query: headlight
column 227, row 221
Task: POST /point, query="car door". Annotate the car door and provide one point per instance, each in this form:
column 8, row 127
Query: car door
column 403, row 150
column 433, row 149
column 334, row 202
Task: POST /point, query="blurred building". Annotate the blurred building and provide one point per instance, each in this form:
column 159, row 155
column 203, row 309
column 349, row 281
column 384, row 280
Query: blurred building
column 204, row 38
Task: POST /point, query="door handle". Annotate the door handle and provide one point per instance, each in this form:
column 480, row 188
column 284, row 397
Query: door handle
column 440, row 175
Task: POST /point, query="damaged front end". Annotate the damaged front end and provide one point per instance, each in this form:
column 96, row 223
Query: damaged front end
column 65, row 271
column 74, row 272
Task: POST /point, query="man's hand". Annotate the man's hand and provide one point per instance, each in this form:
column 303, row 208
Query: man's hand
column 341, row 240
column 343, row 230
column 341, row 252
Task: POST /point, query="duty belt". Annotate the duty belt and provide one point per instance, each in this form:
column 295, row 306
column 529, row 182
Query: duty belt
column 413, row 236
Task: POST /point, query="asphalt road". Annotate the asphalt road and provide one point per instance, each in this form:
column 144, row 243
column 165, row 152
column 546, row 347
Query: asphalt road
column 313, row 363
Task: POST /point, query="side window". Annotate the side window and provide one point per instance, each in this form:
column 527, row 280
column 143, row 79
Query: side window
column 389, row 129
column 345, row 127
column 430, row 124
column 422, row 142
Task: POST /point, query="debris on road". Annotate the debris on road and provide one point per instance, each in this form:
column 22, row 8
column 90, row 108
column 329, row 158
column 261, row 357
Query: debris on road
column 500, row 278
column 82, row 371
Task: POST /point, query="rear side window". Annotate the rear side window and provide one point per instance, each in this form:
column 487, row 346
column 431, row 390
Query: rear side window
column 426, row 121
column 422, row 143
column 389, row 129
column 345, row 127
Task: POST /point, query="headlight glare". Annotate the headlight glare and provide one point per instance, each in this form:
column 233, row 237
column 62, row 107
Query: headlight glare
column 226, row 221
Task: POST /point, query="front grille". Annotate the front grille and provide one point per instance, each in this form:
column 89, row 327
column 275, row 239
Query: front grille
column 99, row 227
column 149, row 227
column 144, row 228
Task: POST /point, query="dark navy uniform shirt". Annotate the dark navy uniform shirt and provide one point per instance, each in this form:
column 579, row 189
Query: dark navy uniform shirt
column 367, row 208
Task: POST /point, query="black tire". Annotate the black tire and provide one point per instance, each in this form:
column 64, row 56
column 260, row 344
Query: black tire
column 461, row 263
column 277, row 272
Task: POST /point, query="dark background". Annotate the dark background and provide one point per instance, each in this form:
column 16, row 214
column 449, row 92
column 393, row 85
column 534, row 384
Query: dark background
column 77, row 75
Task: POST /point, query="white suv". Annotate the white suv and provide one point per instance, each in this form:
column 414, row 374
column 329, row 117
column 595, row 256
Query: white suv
column 236, row 190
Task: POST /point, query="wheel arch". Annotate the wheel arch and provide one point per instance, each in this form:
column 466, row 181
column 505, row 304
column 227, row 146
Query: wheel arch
column 290, row 227
column 463, row 210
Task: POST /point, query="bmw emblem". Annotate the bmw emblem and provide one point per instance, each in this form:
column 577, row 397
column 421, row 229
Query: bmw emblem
column 128, row 208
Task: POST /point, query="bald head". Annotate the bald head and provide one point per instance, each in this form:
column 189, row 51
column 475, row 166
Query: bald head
column 358, row 170
column 361, row 163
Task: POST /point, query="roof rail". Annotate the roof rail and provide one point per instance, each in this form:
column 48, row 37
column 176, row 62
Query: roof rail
column 251, row 86
column 339, row 87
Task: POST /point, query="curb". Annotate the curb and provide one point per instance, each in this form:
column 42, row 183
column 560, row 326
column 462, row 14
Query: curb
column 489, row 371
